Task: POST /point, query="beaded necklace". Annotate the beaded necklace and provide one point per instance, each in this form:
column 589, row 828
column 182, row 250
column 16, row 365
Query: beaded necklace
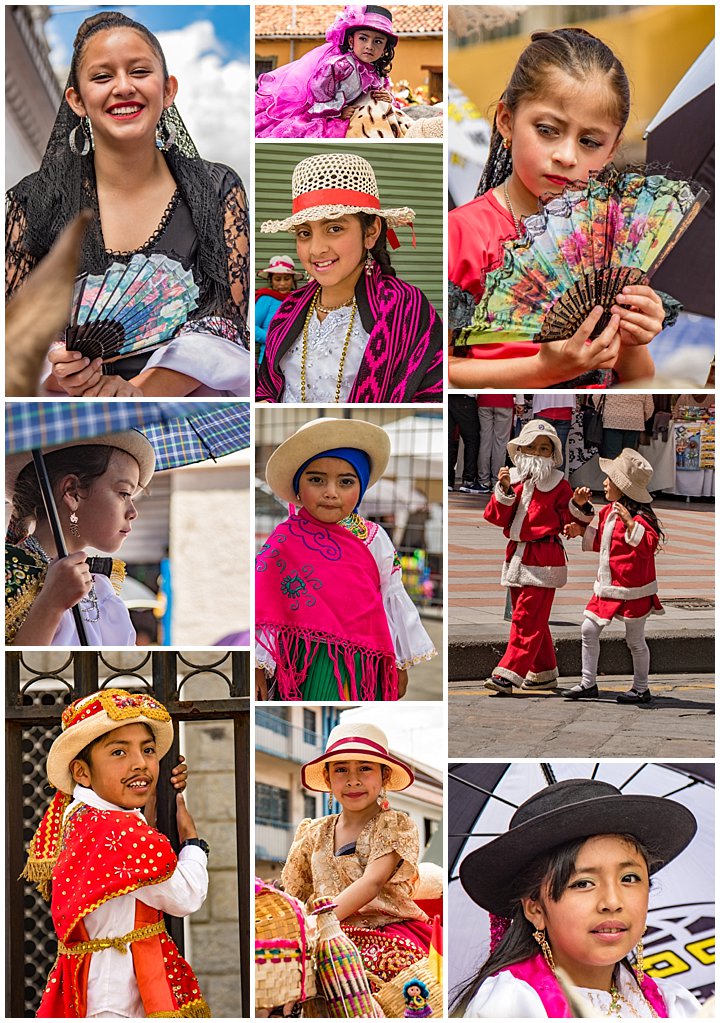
column 303, row 356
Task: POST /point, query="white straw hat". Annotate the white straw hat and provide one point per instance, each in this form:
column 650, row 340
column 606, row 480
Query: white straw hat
column 631, row 473
column 355, row 741
column 536, row 428
column 322, row 435
column 331, row 185
column 279, row 265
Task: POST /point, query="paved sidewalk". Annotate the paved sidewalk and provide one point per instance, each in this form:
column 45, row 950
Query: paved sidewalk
column 679, row 723
column 425, row 679
column 681, row 638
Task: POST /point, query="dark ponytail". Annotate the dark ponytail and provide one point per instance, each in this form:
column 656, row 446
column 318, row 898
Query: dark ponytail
column 104, row 22
column 572, row 51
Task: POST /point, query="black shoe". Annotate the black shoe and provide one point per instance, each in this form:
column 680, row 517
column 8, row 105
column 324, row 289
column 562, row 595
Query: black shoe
column 500, row 685
column 580, row 693
column 633, row 696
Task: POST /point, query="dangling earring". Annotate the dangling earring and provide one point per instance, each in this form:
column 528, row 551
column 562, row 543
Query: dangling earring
column 86, row 133
column 542, row 941
column 507, row 143
column 369, row 262
column 382, row 800
column 74, row 524
column 164, row 134
column 640, row 961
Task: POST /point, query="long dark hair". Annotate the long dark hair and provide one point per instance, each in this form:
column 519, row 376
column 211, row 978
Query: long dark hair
column 379, row 250
column 101, row 23
column 647, row 512
column 383, row 65
column 573, row 51
column 548, row 874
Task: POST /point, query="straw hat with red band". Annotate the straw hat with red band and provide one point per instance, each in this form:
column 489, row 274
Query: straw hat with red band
column 93, row 716
column 279, row 265
column 356, row 741
column 331, row 185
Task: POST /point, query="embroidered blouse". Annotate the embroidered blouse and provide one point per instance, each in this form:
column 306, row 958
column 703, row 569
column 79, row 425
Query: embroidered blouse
column 314, row 869
column 326, row 341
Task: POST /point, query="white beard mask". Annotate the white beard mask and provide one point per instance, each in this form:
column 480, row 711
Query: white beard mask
column 534, row 467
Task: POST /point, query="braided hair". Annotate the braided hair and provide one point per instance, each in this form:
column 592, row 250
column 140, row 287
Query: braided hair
column 574, row 52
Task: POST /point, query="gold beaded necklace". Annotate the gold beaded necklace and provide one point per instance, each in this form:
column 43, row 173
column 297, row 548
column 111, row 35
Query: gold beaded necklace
column 303, row 356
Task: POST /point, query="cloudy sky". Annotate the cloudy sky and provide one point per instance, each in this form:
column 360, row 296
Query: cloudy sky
column 208, row 51
column 417, row 730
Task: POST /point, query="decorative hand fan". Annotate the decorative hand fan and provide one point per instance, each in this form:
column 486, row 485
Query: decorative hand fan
column 579, row 251
column 130, row 308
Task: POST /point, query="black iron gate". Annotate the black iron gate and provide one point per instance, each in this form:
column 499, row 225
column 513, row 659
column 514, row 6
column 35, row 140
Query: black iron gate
column 34, row 702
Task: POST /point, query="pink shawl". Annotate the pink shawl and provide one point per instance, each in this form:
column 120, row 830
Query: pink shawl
column 539, row 976
column 318, row 585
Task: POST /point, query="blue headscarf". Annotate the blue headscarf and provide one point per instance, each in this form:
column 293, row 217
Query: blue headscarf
column 357, row 458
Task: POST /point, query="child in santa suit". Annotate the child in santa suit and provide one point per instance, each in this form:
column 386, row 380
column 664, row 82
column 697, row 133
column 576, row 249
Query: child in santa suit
column 533, row 503
column 113, row 875
column 627, row 539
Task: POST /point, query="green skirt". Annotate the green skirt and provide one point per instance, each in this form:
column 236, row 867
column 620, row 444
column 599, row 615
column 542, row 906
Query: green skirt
column 321, row 684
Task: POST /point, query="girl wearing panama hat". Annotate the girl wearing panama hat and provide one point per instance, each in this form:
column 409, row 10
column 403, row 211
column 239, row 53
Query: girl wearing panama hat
column 356, row 332
column 315, row 96
column 567, row 888
column 282, row 278
column 332, row 619
column 94, row 483
column 627, row 538
column 364, row 858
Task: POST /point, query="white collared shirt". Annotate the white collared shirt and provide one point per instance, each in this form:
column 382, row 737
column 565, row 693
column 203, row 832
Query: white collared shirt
column 112, row 988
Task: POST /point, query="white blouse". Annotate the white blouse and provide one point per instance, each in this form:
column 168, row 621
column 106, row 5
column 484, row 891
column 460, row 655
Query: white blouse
column 410, row 640
column 506, row 997
column 109, row 625
column 326, row 341
column 221, row 367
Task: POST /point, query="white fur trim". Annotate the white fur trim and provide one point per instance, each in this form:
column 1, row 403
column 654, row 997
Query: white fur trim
column 589, row 538
column 543, row 676
column 512, row 676
column 634, row 535
column 578, row 514
column 549, row 577
column 521, row 511
column 621, row 618
column 609, row 592
column 502, row 497
column 604, row 576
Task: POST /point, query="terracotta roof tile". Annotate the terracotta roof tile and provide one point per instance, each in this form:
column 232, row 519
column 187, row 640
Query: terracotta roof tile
column 306, row 20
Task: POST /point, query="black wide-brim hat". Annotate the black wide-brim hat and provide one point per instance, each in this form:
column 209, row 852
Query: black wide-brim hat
column 569, row 810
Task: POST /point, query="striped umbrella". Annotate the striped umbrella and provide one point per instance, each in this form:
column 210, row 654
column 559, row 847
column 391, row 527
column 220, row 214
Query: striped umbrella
column 182, row 433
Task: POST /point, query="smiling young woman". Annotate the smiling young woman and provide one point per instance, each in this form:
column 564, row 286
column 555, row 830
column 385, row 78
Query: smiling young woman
column 120, row 148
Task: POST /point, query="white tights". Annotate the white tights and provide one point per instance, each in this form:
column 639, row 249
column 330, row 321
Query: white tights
column 635, row 639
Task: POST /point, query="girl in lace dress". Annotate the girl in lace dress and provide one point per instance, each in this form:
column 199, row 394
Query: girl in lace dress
column 356, row 333
column 567, row 888
column 94, row 483
column 332, row 619
column 366, row 857
column 315, row 96
column 120, row 148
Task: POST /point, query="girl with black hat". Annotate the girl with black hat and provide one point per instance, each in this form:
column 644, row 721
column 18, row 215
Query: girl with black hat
column 567, row 887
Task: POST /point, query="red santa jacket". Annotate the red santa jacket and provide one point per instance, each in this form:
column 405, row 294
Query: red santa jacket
column 627, row 556
column 532, row 518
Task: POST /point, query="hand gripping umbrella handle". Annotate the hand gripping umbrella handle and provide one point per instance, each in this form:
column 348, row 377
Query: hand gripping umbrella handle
column 54, row 520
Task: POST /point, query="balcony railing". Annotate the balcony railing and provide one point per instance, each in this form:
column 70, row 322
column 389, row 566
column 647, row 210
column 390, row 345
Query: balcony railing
column 276, row 736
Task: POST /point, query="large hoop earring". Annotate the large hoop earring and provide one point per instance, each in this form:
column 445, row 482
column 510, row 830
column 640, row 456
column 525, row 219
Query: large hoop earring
column 86, row 137
column 540, row 937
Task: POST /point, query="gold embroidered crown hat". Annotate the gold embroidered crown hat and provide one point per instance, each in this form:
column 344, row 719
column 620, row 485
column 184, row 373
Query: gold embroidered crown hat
column 331, row 185
column 93, row 716
column 530, row 431
column 321, row 435
column 357, row 741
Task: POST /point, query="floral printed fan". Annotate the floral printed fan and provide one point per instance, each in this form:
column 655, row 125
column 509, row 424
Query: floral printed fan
column 579, row 251
column 130, row 308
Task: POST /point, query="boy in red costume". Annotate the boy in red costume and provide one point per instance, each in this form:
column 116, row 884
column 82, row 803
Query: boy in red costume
column 112, row 874
column 532, row 504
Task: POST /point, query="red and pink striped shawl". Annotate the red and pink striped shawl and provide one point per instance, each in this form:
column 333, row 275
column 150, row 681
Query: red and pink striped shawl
column 403, row 360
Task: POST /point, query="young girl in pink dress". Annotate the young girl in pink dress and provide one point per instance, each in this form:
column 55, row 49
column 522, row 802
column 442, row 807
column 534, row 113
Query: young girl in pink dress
column 313, row 97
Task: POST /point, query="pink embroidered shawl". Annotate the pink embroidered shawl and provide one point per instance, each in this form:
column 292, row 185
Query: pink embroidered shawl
column 318, row 586
column 540, row 977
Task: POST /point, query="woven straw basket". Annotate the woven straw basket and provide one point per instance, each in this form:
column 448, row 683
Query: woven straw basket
column 284, row 970
column 390, row 996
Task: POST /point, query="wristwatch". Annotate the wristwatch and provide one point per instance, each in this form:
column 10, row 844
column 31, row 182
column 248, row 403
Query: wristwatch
column 199, row 842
